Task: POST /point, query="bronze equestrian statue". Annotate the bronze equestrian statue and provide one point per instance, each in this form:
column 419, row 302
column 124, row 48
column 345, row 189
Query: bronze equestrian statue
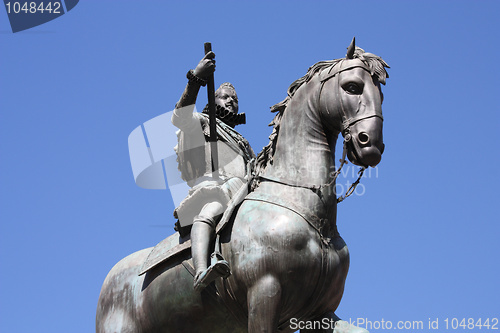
column 288, row 262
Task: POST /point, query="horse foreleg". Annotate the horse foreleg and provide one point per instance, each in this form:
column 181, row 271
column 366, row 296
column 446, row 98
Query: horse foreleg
column 330, row 323
column 264, row 298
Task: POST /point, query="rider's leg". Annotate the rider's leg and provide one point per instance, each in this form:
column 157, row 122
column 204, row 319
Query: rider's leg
column 202, row 234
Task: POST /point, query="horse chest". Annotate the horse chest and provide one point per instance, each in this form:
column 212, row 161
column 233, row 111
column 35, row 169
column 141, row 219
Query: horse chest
column 281, row 242
column 286, row 247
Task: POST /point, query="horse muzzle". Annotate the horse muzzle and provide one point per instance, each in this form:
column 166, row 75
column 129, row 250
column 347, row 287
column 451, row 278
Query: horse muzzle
column 364, row 143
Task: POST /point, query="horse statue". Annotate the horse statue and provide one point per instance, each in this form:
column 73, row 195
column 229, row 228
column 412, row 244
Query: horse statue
column 288, row 261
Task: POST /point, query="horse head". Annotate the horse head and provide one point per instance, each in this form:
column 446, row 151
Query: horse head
column 351, row 98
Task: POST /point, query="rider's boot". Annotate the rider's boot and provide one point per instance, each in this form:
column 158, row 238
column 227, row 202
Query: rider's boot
column 202, row 234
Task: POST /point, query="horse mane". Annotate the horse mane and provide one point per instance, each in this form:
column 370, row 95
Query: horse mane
column 377, row 69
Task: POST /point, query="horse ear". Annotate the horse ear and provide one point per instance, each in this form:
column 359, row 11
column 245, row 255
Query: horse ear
column 350, row 49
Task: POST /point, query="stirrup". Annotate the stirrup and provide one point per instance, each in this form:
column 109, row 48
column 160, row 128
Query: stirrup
column 217, row 269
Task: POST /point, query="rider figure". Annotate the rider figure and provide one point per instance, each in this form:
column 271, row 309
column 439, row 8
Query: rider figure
column 209, row 193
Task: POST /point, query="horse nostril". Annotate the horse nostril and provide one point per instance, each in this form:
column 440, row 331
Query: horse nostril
column 363, row 138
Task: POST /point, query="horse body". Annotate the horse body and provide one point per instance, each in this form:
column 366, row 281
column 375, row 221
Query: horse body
column 287, row 258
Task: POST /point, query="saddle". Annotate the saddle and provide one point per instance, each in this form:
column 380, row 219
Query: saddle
column 177, row 244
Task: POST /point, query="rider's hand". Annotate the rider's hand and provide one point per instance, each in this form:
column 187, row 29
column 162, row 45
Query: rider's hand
column 206, row 66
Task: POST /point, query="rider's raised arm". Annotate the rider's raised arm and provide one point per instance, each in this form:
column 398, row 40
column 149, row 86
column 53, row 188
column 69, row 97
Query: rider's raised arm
column 183, row 114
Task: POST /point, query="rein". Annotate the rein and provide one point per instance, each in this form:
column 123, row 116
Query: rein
column 319, row 189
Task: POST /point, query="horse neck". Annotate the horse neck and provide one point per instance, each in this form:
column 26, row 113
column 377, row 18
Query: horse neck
column 304, row 152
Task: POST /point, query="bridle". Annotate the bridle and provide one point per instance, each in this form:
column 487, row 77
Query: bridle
column 347, row 123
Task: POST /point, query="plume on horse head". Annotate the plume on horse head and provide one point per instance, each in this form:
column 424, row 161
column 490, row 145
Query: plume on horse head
column 374, row 63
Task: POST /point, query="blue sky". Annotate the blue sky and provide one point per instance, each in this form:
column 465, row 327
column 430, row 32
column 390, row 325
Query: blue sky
column 424, row 235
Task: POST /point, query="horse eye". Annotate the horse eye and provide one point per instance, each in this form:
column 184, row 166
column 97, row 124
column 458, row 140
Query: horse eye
column 353, row 88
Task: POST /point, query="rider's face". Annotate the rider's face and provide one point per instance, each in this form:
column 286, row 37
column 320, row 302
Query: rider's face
column 227, row 98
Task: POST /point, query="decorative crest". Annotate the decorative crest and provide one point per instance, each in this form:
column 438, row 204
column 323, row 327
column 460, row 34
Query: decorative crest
column 350, row 49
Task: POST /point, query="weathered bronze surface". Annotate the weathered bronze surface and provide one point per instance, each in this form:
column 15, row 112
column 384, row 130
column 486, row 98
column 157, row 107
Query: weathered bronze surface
column 287, row 259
